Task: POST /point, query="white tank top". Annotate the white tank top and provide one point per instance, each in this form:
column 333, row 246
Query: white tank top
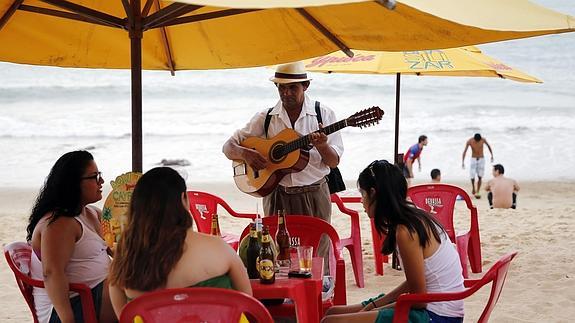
column 88, row 265
column 443, row 273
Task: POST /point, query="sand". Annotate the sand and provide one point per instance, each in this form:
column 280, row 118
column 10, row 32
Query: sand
column 540, row 286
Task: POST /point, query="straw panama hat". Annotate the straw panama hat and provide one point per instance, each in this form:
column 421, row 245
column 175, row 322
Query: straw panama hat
column 290, row 73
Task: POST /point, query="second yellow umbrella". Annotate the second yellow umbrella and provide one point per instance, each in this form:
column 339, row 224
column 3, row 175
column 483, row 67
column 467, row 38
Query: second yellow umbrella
column 464, row 61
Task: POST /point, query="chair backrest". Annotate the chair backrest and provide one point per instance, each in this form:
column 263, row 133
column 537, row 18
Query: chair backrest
column 197, row 304
column 439, row 200
column 496, row 276
column 203, row 205
column 18, row 255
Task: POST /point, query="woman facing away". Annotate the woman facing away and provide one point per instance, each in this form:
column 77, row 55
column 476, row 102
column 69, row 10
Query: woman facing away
column 429, row 260
column 159, row 248
column 64, row 232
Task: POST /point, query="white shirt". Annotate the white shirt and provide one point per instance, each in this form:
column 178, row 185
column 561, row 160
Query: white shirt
column 305, row 124
column 88, row 265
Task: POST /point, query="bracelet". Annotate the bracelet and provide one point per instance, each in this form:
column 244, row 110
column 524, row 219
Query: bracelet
column 372, row 302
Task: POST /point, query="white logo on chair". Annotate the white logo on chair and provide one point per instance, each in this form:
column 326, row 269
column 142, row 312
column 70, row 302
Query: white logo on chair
column 203, row 209
column 433, row 202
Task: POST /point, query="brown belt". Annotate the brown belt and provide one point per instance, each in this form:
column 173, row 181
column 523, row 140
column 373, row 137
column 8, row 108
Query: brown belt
column 302, row 189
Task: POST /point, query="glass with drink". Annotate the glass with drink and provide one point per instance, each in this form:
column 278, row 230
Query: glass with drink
column 305, row 255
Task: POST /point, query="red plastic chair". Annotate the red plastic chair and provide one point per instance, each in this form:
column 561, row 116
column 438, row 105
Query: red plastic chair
column 496, row 275
column 196, row 304
column 309, row 230
column 376, row 239
column 439, row 200
column 18, row 256
column 353, row 242
column 203, row 205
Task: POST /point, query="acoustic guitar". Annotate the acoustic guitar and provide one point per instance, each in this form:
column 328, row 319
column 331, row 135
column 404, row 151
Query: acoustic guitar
column 288, row 152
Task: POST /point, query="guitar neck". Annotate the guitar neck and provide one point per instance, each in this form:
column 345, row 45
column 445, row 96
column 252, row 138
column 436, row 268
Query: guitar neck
column 304, row 141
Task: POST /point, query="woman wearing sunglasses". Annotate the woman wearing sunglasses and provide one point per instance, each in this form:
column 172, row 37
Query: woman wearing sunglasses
column 64, row 232
column 429, row 260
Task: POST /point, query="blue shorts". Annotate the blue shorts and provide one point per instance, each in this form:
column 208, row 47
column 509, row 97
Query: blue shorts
column 77, row 305
column 415, row 315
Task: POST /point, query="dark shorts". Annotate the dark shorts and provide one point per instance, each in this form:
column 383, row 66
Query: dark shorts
column 406, row 171
column 77, row 305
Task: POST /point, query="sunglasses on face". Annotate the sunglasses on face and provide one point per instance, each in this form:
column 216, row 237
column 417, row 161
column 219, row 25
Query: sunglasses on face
column 98, row 177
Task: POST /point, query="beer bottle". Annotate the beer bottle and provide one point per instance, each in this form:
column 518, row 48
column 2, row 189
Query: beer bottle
column 283, row 241
column 267, row 268
column 395, row 260
column 253, row 253
column 215, row 230
column 259, row 225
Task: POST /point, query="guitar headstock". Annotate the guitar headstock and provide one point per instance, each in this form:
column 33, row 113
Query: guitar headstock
column 365, row 118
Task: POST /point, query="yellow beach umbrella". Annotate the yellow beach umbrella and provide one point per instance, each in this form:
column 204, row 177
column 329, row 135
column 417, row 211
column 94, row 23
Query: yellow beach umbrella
column 149, row 34
column 463, row 61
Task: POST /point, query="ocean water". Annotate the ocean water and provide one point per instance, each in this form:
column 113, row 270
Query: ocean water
column 45, row 112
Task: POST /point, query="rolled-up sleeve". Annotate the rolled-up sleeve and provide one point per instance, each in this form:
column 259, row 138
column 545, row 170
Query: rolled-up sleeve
column 254, row 128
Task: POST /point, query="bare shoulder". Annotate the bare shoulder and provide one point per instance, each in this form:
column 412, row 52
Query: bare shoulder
column 63, row 226
column 402, row 233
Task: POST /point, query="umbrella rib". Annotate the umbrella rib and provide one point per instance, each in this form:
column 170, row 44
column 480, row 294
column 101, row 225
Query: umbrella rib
column 8, row 14
column 322, row 29
column 166, row 44
column 168, row 13
column 127, row 9
column 206, row 16
column 88, row 13
column 147, row 8
column 64, row 14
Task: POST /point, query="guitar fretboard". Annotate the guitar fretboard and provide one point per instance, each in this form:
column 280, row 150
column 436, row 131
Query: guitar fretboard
column 305, row 141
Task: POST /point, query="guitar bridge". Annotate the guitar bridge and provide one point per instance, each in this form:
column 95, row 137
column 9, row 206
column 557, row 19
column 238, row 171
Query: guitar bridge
column 240, row 169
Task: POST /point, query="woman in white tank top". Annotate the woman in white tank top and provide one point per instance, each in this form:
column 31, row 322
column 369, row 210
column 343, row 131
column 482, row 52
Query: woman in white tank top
column 67, row 245
column 429, row 260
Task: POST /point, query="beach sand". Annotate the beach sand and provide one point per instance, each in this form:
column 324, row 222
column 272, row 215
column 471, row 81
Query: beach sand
column 540, row 286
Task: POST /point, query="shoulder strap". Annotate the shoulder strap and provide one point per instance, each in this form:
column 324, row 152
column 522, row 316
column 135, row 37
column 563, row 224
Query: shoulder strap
column 318, row 112
column 267, row 121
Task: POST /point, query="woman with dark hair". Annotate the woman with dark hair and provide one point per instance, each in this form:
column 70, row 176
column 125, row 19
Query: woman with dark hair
column 64, row 232
column 429, row 260
column 159, row 248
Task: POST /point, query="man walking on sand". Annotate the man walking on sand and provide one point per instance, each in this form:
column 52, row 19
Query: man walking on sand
column 411, row 155
column 502, row 190
column 477, row 162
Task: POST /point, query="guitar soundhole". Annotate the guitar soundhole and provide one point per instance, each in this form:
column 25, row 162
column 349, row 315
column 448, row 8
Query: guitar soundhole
column 277, row 153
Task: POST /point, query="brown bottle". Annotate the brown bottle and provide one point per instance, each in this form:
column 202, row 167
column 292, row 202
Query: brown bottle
column 283, row 241
column 215, row 230
column 253, row 252
column 395, row 261
column 267, row 266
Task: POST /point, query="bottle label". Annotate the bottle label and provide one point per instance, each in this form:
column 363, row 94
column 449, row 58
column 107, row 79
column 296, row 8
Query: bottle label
column 266, row 269
column 266, row 239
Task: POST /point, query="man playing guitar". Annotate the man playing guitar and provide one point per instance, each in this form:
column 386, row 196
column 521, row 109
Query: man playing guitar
column 306, row 191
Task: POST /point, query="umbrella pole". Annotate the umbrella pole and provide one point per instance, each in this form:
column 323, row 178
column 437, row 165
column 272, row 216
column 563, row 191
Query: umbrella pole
column 136, row 74
column 397, row 90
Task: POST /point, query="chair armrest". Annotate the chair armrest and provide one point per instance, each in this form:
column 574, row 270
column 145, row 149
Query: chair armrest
column 405, row 301
column 470, row 282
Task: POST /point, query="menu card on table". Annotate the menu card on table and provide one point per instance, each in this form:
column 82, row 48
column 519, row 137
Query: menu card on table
column 114, row 214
